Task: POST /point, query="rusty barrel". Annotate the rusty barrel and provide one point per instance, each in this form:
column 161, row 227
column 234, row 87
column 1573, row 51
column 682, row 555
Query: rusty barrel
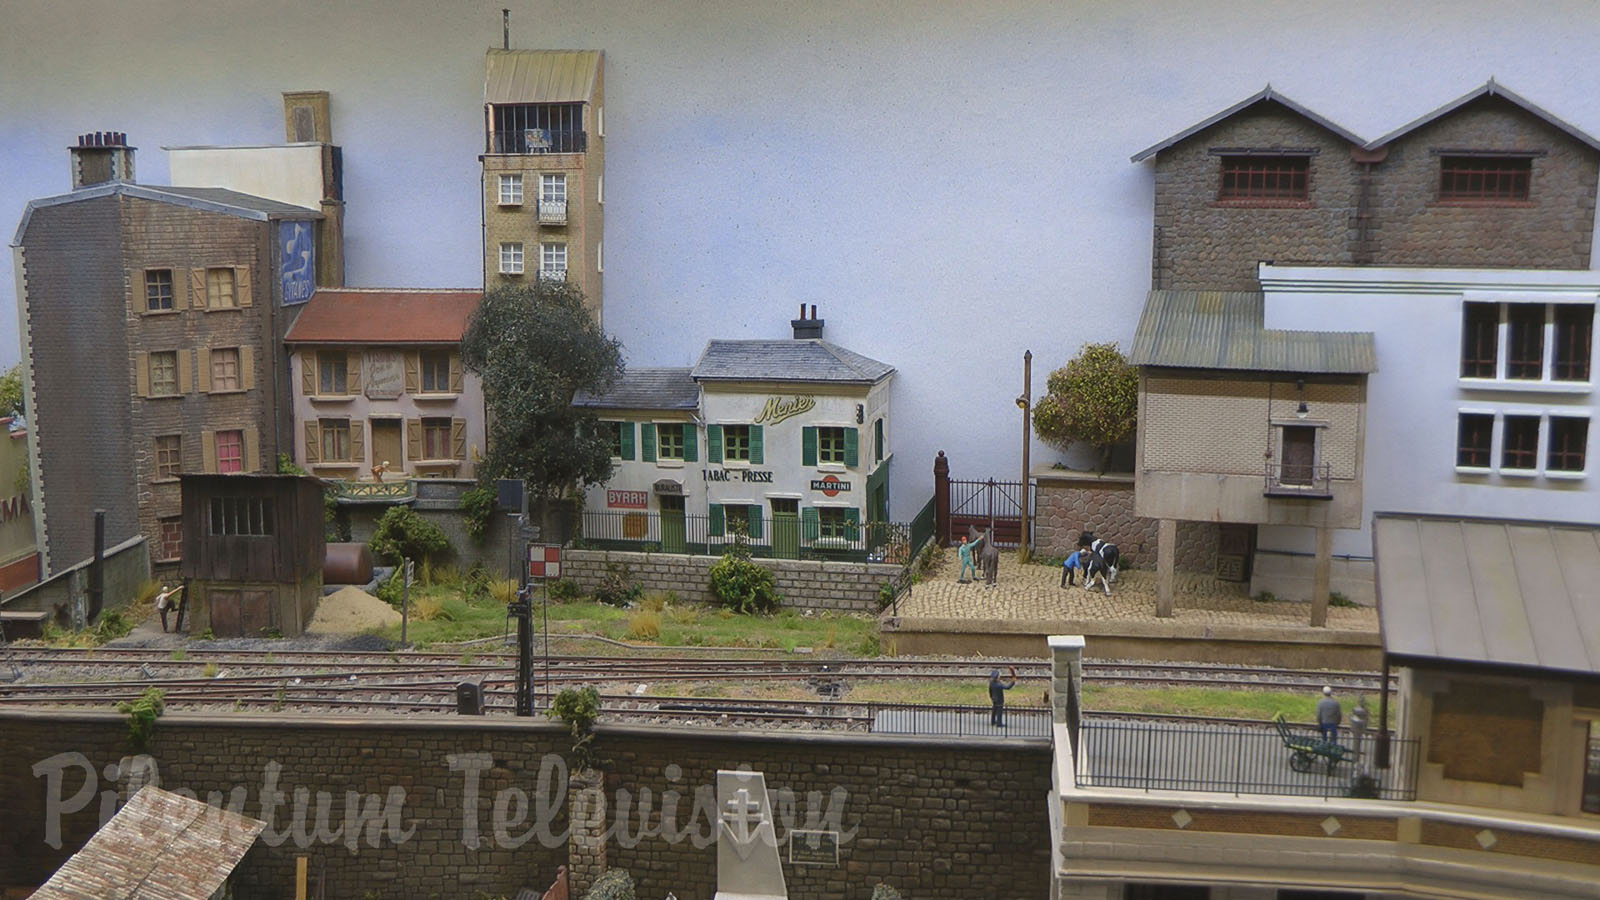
column 347, row 563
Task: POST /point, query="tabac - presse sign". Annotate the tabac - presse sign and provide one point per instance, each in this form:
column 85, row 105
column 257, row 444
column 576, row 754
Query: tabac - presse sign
column 297, row 267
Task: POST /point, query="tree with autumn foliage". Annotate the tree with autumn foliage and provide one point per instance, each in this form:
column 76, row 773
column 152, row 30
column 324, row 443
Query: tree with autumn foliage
column 1093, row 399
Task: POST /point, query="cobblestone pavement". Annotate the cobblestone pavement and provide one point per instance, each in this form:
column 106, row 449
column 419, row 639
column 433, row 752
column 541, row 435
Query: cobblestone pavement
column 1033, row 592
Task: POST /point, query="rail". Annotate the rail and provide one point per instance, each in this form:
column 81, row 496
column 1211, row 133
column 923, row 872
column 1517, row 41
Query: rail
column 775, row 537
column 372, row 490
column 1299, row 480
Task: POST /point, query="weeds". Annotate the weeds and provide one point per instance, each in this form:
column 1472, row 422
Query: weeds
column 644, row 625
column 178, row 656
column 209, row 670
column 142, row 714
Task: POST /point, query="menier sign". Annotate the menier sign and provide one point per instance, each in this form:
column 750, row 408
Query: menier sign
column 544, row 561
column 627, row 499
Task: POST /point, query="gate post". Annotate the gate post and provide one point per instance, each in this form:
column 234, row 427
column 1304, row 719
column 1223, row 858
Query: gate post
column 941, row 499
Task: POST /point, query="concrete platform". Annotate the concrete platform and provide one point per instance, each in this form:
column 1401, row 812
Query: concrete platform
column 1019, row 724
column 1213, row 621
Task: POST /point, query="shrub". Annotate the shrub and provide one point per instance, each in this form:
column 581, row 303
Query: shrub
column 742, row 585
column 477, row 508
column 1265, row 597
column 618, row 588
column 1094, row 398
column 503, row 590
column 389, row 589
column 1337, row 599
column 653, row 603
column 613, row 884
column 426, row 609
column 885, row 892
column 401, row 533
column 564, row 589
column 142, row 714
column 578, row 708
column 644, row 625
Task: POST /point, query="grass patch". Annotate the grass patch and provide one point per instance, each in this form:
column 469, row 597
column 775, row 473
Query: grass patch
column 1214, row 702
column 644, row 625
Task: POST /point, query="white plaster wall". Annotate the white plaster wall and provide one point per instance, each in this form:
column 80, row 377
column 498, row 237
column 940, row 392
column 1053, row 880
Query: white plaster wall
column 289, row 174
column 1414, row 397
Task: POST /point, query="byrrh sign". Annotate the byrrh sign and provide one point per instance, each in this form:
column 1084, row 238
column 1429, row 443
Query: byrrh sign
column 779, row 408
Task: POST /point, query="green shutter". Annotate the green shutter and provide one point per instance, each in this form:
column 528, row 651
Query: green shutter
column 808, row 522
column 755, row 522
column 691, row 447
column 716, row 528
column 648, row 433
column 627, row 439
column 714, row 443
column 756, row 457
column 808, row 448
column 852, row 522
column 852, row 438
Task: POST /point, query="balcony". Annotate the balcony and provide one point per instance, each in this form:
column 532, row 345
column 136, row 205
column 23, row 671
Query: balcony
column 535, row 141
column 350, row 491
column 552, row 274
column 1299, row 480
column 552, row 212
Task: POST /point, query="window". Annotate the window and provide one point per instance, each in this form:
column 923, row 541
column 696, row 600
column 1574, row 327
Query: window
column 169, row 455
column 1591, row 771
column 830, row 446
column 1574, row 342
column 1525, row 341
column 553, row 187
column 1479, row 179
column 1265, row 178
column 225, row 369
column 436, row 438
column 511, row 258
column 230, row 451
column 435, row 371
column 1509, row 341
column 164, row 373
column 510, row 190
column 332, row 373
column 613, row 430
column 220, row 289
column 1480, row 340
column 553, row 260
column 158, row 290
column 335, row 440
column 1519, row 444
column 669, row 441
column 171, row 537
column 1569, row 436
column 877, row 441
column 240, row 516
column 736, row 443
column 831, row 523
column 1474, row 437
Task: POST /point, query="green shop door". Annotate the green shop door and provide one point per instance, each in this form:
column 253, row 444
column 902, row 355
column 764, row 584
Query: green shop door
column 672, row 525
column 786, row 529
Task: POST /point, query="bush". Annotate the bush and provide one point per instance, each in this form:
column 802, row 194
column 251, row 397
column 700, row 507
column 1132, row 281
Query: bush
column 564, row 589
column 613, row 884
column 1094, row 398
column 477, row 509
column 618, row 588
column 578, row 708
column 742, row 585
column 142, row 714
column 884, row 892
column 401, row 533
column 644, row 625
column 389, row 589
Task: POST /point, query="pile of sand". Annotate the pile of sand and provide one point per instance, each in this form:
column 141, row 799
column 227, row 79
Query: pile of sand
column 350, row 609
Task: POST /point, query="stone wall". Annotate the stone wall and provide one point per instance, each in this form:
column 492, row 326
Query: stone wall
column 1071, row 502
column 127, row 565
column 803, row 584
column 937, row 820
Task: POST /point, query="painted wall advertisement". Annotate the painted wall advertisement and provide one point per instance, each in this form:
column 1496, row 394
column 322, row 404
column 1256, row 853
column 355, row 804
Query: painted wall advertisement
column 297, row 267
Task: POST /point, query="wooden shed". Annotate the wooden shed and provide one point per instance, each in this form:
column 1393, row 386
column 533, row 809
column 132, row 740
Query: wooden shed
column 253, row 548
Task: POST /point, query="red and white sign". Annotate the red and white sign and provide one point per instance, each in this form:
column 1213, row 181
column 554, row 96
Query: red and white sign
column 628, row 499
column 829, row 485
column 544, row 561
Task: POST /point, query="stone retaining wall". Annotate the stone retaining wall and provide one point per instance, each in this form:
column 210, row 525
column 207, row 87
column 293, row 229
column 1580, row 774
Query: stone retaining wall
column 803, row 584
column 1070, row 502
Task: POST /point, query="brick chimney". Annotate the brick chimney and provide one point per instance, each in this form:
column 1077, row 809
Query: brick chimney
column 101, row 156
column 807, row 329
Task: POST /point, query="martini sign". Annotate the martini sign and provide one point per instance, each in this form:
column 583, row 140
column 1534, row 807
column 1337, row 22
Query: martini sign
column 830, row 485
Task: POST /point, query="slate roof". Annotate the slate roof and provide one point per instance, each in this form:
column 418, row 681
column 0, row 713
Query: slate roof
column 384, row 316
column 1490, row 88
column 1264, row 95
column 1489, row 591
column 217, row 200
column 787, row 360
column 646, row 388
column 160, row 846
column 1224, row 330
column 540, row 76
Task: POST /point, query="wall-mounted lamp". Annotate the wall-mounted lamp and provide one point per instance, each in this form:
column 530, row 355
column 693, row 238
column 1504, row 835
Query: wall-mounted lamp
column 1022, row 403
column 861, row 414
column 1301, row 410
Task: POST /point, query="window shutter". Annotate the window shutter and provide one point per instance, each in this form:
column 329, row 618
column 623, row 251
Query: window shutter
column 458, row 438
column 208, row 450
column 413, row 439
column 627, row 439
column 141, row 374
column 308, row 373
column 852, row 441
column 757, row 454
column 715, row 529
column 714, row 443
column 252, row 450
column 178, row 291
column 313, row 442
column 808, row 446
column 358, row 442
column 455, row 372
column 205, row 370
column 413, row 373
column 241, row 285
column 754, row 529
column 691, row 448
column 808, row 523
column 647, row 433
column 197, row 289
column 852, row 523
column 352, row 372
column 185, row 376
column 247, row 368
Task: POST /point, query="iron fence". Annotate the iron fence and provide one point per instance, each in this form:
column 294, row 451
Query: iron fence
column 776, row 537
column 984, row 505
column 1299, row 480
column 958, row 721
column 1237, row 758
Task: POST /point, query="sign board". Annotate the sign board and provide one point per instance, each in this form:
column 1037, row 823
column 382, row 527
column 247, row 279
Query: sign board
column 627, row 499
column 297, row 267
column 814, row 848
column 386, row 374
column 829, row 485
column 669, row 487
column 779, row 408
column 544, row 561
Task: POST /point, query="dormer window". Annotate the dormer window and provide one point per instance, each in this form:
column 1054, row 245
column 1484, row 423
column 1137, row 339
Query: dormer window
column 1258, row 178
column 1484, row 178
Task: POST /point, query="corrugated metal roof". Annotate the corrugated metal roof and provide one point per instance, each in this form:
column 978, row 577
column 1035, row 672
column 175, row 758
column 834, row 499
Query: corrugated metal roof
column 787, row 360
column 1490, row 88
column 160, row 846
column 541, row 76
column 646, row 388
column 217, row 200
column 1264, row 95
column 1490, row 591
column 384, row 316
column 1223, row 330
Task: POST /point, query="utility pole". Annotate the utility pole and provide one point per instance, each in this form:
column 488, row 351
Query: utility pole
column 1025, row 402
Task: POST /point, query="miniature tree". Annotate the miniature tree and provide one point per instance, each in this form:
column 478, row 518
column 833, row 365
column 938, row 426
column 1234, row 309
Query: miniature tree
column 1093, row 399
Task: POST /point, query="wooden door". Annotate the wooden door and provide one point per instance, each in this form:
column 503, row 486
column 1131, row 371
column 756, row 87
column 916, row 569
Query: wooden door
column 672, row 536
column 388, row 449
column 786, row 529
column 224, row 608
column 1299, row 454
column 240, row 613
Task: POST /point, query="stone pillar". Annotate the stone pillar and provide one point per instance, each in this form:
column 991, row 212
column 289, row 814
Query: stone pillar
column 1066, row 678
column 586, row 816
column 941, row 500
column 1166, row 553
column 1319, row 578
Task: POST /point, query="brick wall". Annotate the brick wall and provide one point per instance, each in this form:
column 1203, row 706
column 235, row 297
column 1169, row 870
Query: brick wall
column 1224, row 426
column 937, row 821
column 803, row 584
column 1070, row 504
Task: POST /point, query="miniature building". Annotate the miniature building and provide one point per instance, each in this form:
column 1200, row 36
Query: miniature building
column 783, row 440
column 253, row 548
column 19, row 554
column 544, row 168
column 378, row 382
column 180, row 289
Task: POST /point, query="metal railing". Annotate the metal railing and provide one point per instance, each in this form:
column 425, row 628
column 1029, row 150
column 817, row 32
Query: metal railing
column 1236, row 758
column 372, row 490
column 552, row 212
column 1298, row 480
column 958, row 721
column 777, row 537
column 538, row 140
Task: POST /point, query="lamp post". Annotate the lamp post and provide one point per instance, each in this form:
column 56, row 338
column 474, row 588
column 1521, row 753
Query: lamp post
column 1025, row 403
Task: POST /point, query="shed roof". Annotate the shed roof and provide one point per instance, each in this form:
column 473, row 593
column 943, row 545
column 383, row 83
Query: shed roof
column 1490, row 88
column 808, row 359
column 1489, row 591
column 160, row 846
column 1265, row 95
column 1223, row 330
column 646, row 388
column 217, row 200
column 541, row 76
column 384, row 316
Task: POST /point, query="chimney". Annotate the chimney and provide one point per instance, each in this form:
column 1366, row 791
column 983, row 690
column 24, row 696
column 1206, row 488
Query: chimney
column 306, row 118
column 807, row 329
column 101, row 156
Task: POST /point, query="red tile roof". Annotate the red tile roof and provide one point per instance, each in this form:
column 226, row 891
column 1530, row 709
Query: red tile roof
column 384, row 316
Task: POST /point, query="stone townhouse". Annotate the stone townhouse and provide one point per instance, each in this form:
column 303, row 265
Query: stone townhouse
column 149, row 320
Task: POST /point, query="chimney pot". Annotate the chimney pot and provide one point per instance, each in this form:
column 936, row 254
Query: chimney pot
column 807, row 328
